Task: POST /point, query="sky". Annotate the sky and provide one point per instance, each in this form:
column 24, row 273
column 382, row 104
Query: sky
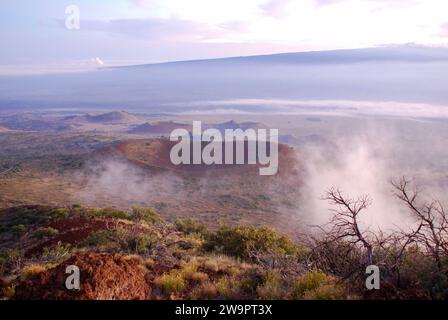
column 34, row 36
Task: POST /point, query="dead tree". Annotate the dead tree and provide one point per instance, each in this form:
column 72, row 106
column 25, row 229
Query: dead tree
column 431, row 229
column 345, row 223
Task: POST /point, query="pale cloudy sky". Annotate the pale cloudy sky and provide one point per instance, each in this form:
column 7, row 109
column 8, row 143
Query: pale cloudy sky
column 33, row 33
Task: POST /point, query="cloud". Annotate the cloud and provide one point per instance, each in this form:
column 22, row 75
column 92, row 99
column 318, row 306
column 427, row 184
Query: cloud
column 444, row 28
column 97, row 61
column 236, row 26
column 162, row 30
column 388, row 3
column 155, row 29
column 311, row 24
column 275, row 8
column 327, row 2
column 329, row 107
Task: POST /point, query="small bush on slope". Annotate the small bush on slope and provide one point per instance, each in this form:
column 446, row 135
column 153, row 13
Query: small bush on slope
column 273, row 287
column 172, row 282
column 191, row 226
column 148, row 215
column 122, row 240
column 243, row 241
column 45, row 232
column 317, row 286
column 110, row 213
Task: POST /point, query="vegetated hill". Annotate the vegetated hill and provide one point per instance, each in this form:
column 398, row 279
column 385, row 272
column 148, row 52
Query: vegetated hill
column 160, row 127
column 137, row 255
column 32, row 122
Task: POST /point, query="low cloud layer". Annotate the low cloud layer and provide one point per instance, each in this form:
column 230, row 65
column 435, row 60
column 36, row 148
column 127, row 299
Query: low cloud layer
column 321, row 107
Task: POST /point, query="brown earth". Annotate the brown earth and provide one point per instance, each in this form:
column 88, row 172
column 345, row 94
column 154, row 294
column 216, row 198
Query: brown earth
column 225, row 193
column 73, row 231
column 103, row 277
column 155, row 154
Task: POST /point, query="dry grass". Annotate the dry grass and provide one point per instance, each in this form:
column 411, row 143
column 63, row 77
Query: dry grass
column 206, row 290
column 32, row 269
column 198, row 277
column 172, row 282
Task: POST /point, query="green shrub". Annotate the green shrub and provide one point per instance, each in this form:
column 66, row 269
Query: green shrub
column 325, row 292
column 241, row 240
column 145, row 214
column 18, row 230
column 141, row 243
column 99, row 238
column 240, row 285
column 110, row 213
column 27, row 216
column 220, row 264
column 190, row 268
column 272, row 288
column 191, row 226
column 78, row 210
column 317, row 286
column 309, row 281
column 249, row 280
column 122, row 239
column 190, row 242
column 45, row 232
column 60, row 213
column 190, row 272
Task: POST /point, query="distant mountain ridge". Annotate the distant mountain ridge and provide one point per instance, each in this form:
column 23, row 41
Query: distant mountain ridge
column 408, row 53
column 405, row 74
column 160, row 127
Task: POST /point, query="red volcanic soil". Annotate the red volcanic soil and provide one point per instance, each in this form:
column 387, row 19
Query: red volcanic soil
column 102, row 277
column 72, row 231
column 155, row 154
